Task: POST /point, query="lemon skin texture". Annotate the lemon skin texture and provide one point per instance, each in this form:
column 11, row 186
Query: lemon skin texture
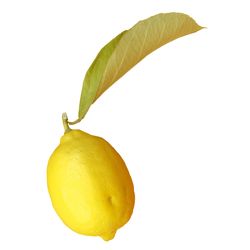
column 90, row 186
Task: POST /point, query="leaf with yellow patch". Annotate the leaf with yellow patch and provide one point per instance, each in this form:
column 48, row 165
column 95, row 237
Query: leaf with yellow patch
column 129, row 48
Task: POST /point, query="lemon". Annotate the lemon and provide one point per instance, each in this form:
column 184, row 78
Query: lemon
column 89, row 184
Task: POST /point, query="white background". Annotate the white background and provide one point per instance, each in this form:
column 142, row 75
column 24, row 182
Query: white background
column 180, row 119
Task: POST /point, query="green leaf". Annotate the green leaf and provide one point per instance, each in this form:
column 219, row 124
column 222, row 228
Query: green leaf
column 129, row 48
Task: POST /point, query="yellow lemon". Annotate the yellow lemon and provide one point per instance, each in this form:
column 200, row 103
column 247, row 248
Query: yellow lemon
column 89, row 185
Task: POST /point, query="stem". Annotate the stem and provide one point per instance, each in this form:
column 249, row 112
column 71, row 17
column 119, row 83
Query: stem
column 65, row 123
column 74, row 122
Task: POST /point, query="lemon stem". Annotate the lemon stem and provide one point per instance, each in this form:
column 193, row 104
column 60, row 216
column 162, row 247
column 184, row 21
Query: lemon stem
column 65, row 123
column 74, row 122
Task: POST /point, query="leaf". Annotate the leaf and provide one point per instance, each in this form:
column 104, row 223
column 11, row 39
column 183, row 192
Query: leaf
column 129, row 48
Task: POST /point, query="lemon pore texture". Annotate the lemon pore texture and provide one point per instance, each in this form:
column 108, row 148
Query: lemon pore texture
column 89, row 185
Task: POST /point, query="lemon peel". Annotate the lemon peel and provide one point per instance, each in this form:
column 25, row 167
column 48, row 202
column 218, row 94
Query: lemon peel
column 89, row 184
